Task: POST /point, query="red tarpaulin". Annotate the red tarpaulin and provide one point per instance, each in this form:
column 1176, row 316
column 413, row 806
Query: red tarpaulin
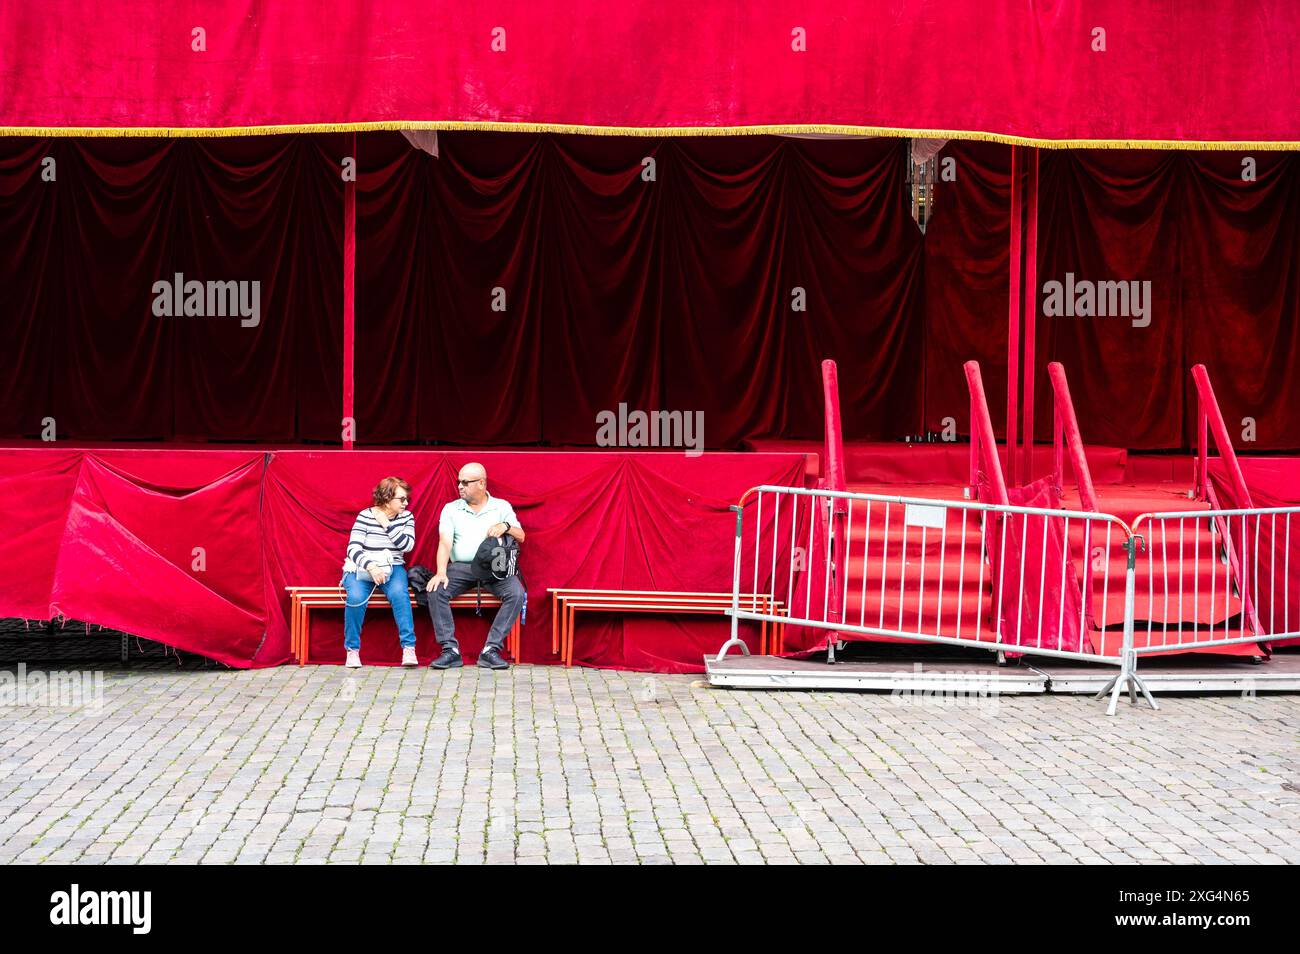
column 1109, row 71
column 1037, row 592
column 194, row 548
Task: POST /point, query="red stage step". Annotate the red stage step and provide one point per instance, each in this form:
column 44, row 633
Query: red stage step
column 928, row 556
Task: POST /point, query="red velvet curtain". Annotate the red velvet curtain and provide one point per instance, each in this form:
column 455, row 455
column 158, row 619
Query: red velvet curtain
column 967, row 262
column 677, row 293
column 81, row 254
column 671, row 294
column 1218, row 249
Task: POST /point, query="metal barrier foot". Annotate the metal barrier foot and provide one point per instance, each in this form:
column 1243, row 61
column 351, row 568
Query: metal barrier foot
column 1136, row 680
column 733, row 641
column 1134, row 683
column 1106, row 689
column 1112, row 689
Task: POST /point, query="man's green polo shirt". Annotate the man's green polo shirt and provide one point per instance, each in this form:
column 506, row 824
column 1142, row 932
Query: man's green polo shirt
column 469, row 529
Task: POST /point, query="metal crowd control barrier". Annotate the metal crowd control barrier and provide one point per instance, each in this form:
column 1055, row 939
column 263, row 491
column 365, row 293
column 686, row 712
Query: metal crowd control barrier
column 1240, row 602
column 993, row 576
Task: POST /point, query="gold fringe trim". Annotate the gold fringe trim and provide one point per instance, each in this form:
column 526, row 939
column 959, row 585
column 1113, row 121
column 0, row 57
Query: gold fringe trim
column 777, row 129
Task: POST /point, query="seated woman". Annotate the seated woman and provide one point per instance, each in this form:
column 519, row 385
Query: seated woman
column 380, row 537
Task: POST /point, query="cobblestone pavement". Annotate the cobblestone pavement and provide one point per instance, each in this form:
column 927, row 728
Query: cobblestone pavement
column 542, row 764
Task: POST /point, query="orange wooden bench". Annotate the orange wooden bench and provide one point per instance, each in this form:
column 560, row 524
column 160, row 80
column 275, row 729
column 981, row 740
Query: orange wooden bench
column 565, row 603
column 304, row 599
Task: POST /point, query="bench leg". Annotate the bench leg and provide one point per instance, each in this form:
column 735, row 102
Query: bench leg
column 567, row 635
column 555, row 625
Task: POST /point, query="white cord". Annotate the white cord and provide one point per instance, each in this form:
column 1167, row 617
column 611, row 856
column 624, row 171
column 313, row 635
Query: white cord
column 366, row 603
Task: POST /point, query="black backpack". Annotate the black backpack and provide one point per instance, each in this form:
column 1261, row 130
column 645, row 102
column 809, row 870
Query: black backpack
column 497, row 559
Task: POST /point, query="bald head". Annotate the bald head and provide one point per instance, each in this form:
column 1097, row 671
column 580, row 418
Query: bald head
column 472, row 483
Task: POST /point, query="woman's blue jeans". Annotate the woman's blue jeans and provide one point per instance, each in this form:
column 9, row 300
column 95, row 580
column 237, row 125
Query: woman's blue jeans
column 359, row 590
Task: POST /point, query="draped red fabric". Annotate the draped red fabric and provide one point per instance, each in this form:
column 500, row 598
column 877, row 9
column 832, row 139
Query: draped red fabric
column 1107, row 69
column 194, row 547
column 670, row 286
column 1038, row 594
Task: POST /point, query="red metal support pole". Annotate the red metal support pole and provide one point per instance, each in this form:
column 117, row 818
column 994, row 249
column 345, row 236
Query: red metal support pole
column 1058, row 449
column 1238, row 557
column 834, row 443
column 1066, row 424
column 1031, row 306
column 974, row 492
column 981, row 428
column 349, row 300
column 1202, row 450
column 1013, row 323
column 1063, row 409
column 834, row 479
column 1209, row 412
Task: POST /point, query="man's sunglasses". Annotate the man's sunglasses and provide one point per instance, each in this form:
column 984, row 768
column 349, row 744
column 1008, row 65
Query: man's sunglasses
column 473, row 481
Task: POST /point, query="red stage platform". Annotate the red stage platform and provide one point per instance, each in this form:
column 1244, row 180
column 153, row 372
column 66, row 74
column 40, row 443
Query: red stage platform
column 949, row 463
column 193, row 547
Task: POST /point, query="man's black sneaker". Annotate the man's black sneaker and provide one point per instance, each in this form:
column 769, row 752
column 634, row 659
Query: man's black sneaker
column 490, row 658
column 448, row 660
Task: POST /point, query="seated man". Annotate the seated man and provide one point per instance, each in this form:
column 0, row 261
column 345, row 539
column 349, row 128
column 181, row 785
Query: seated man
column 463, row 526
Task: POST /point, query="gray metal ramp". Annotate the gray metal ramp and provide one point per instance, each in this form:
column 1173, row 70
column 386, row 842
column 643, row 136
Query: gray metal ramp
column 1169, row 674
column 1183, row 673
column 889, row 675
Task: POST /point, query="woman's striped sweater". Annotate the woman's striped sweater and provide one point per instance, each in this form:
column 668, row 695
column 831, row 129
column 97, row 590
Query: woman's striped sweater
column 369, row 540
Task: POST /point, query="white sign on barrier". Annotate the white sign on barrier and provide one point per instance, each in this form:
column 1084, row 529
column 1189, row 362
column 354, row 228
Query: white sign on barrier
column 919, row 515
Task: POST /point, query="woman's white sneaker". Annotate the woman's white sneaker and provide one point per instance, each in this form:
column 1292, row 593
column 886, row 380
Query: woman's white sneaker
column 408, row 656
column 354, row 659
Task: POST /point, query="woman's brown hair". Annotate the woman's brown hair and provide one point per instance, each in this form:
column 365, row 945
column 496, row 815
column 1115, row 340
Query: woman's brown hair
column 386, row 490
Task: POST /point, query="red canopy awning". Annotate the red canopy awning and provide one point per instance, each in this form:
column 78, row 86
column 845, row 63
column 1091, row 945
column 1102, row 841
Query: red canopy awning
column 1172, row 73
